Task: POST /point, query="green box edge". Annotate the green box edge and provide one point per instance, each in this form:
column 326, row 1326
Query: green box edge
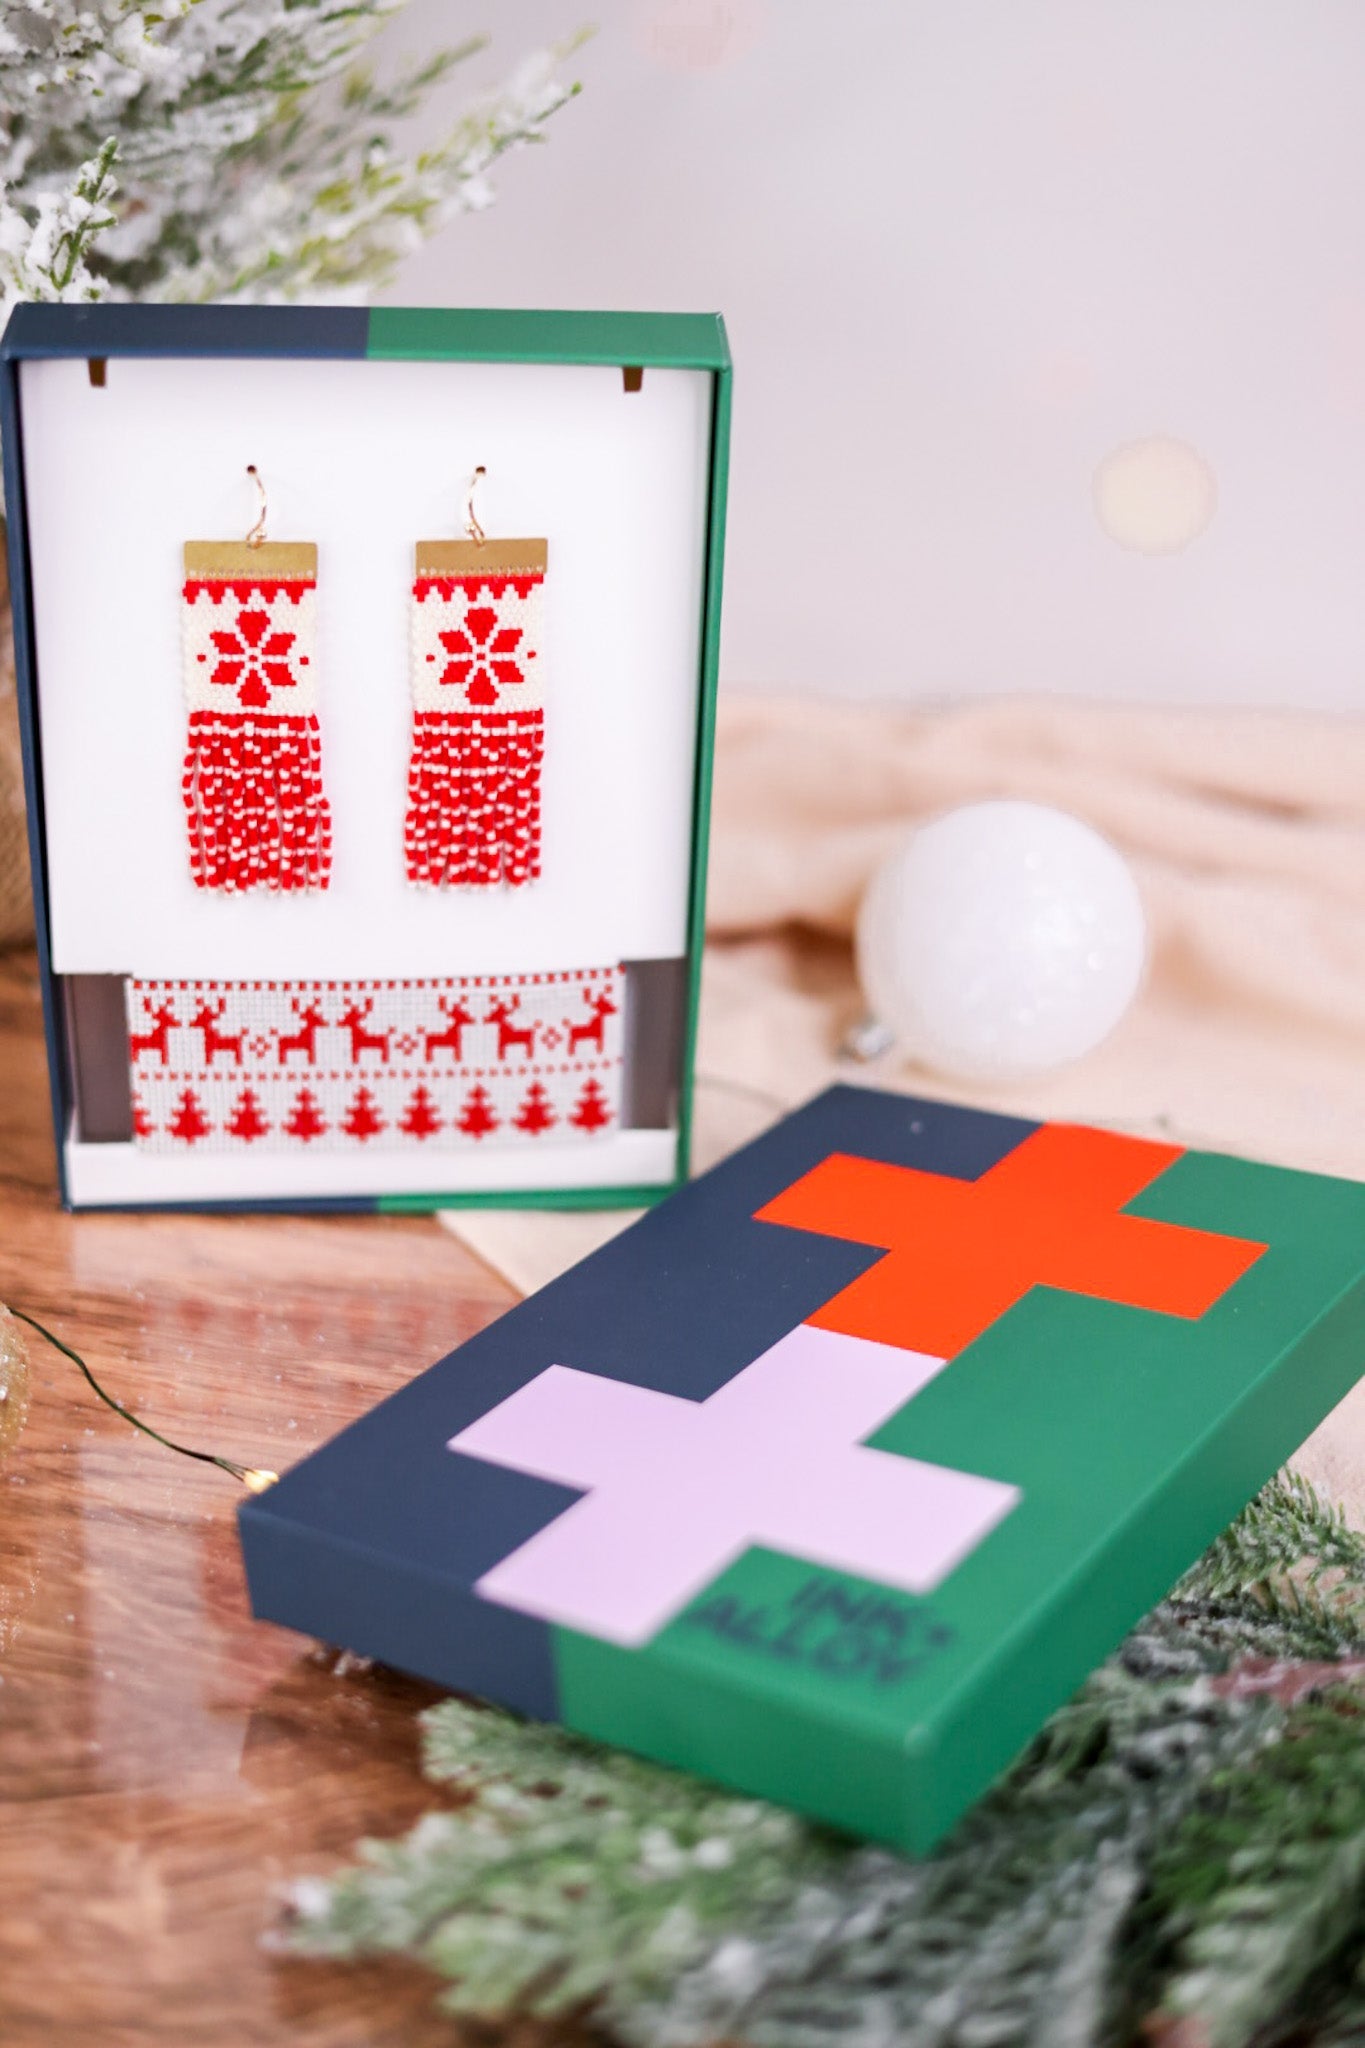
column 450, row 334
column 612, row 1197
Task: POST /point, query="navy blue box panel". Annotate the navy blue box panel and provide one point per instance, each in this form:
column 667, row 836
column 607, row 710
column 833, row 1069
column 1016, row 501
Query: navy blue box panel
column 121, row 330
column 404, row 1614
column 375, row 1540
column 21, row 620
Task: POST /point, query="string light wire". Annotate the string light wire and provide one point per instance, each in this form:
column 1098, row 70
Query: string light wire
column 253, row 1476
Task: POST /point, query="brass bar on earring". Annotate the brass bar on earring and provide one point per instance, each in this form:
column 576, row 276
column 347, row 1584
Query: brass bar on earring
column 490, row 557
column 211, row 561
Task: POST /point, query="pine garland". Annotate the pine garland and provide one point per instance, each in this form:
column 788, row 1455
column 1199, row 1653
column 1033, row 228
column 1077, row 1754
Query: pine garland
column 1178, row 1861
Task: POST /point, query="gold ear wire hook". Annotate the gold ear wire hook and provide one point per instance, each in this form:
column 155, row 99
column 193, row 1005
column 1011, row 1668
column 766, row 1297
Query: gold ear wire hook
column 256, row 533
column 472, row 526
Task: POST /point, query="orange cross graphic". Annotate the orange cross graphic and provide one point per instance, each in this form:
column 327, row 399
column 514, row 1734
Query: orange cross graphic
column 959, row 1253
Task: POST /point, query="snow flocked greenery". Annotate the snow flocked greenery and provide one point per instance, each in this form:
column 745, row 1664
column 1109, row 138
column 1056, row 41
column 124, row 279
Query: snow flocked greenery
column 1178, row 1861
column 210, row 149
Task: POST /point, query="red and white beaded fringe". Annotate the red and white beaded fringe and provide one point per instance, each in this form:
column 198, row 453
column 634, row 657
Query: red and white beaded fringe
column 478, row 739
column 254, row 805
column 290, row 1066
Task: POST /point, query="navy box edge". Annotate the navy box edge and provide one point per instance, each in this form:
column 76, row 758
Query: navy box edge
column 126, row 329
column 405, row 1612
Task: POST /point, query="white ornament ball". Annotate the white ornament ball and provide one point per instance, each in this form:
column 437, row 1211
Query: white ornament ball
column 1001, row 941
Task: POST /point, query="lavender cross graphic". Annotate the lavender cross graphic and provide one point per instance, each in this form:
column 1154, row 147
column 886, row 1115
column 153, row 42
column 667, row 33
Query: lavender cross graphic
column 675, row 1490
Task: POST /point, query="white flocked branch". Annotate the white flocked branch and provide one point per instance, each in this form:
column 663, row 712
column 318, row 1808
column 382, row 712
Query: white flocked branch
column 208, row 149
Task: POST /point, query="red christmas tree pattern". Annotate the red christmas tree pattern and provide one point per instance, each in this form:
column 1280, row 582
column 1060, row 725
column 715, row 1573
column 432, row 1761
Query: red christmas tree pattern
column 247, row 1121
column 535, row 1114
column 420, row 1119
column 305, row 1119
column 476, row 1119
column 591, row 1111
column 143, row 1127
column 362, row 1118
column 189, row 1121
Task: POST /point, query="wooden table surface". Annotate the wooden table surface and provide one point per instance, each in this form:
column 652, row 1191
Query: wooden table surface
column 165, row 1762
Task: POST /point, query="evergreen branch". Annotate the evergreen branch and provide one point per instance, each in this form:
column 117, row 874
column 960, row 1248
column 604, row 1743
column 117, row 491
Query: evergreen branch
column 84, row 220
column 48, row 259
column 1263, row 1883
column 257, row 152
column 569, row 1871
column 1292, row 1555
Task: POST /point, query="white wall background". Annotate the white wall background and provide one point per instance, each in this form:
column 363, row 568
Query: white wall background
column 967, row 248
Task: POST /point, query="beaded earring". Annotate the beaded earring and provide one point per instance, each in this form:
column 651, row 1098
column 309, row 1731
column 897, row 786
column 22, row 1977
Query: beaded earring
column 255, row 810
column 478, row 718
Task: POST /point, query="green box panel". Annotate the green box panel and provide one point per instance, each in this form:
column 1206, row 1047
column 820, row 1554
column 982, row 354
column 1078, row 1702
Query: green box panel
column 681, row 341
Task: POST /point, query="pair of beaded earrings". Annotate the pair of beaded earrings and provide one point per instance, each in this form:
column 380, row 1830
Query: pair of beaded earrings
column 254, row 803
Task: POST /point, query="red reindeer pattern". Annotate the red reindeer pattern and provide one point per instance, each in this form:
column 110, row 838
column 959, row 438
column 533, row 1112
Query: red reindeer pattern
column 450, row 1040
column 273, row 1065
column 311, row 1021
column 156, row 1040
column 206, row 1020
column 353, row 1020
column 510, row 1034
column 590, row 1033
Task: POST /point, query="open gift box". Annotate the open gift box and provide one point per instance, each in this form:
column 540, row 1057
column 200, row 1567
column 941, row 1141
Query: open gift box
column 340, row 902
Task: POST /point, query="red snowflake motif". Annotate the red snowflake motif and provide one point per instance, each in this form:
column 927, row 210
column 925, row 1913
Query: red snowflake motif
column 480, row 656
column 254, row 660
